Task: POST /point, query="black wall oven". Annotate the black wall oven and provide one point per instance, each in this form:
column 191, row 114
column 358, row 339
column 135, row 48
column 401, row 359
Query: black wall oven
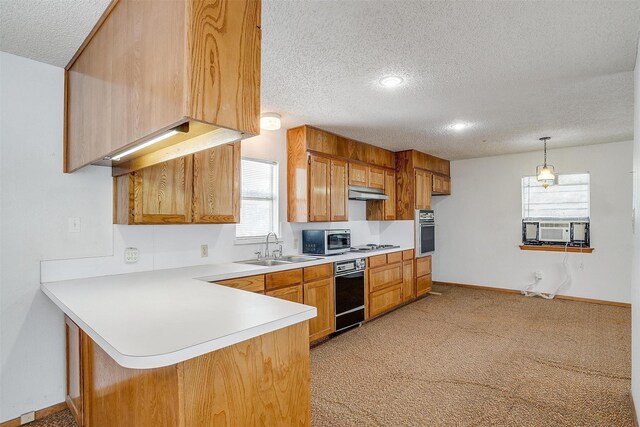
column 425, row 232
column 349, row 293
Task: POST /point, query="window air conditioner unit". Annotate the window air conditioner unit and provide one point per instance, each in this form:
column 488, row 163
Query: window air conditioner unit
column 555, row 232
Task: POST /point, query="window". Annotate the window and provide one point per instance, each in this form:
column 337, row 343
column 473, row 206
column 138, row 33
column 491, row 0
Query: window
column 568, row 199
column 258, row 199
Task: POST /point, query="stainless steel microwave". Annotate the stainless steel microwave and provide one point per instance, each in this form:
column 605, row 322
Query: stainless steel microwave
column 326, row 242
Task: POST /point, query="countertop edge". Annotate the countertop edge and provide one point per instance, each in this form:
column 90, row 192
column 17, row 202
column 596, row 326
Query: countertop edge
column 172, row 358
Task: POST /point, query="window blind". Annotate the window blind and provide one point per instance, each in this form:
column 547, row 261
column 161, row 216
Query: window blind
column 258, row 199
column 569, row 199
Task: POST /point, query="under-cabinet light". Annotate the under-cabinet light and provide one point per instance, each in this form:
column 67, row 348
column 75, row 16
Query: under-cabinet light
column 145, row 144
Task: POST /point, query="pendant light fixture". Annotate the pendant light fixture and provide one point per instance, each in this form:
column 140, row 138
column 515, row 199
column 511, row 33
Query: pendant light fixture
column 545, row 173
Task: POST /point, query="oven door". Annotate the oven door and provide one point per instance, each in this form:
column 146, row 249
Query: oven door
column 338, row 242
column 425, row 239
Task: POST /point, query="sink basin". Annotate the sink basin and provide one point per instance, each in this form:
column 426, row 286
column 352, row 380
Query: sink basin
column 299, row 258
column 266, row 262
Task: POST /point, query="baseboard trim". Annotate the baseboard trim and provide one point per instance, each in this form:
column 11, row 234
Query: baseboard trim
column 40, row 414
column 633, row 410
column 515, row 291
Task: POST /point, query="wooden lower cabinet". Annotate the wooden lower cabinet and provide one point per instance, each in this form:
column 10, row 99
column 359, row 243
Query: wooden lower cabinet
column 282, row 279
column 387, row 275
column 250, row 283
column 423, row 276
column 385, row 299
column 320, row 295
column 423, row 285
column 408, row 289
column 291, row 293
column 222, row 388
column 74, row 392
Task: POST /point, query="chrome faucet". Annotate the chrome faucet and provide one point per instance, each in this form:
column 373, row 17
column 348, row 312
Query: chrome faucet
column 266, row 249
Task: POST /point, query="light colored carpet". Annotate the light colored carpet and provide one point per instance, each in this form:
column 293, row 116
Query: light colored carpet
column 473, row 358
column 478, row 358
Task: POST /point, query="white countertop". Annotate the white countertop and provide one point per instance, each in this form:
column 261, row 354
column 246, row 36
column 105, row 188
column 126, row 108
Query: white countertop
column 162, row 317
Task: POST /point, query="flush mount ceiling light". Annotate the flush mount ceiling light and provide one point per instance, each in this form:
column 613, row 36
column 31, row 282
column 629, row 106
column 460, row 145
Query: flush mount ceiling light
column 459, row 126
column 391, row 81
column 545, row 173
column 270, row 121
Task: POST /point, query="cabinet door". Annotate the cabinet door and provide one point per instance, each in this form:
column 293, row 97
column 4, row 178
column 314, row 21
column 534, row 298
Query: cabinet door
column 339, row 193
column 216, row 185
column 162, row 193
column 358, row 175
column 408, row 292
column 319, row 189
column 423, row 189
column 74, row 369
column 292, row 293
column 390, row 190
column 282, row 279
column 423, row 266
column 387, row 275
column 376, row 177
column 320, row 295
column 423, row 285
column 321, row 141
column 438, row 184
column 385, row 299
column 446, row 186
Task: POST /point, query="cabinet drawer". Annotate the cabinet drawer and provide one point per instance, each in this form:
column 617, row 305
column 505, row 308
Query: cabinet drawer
column 385, row 299
column 290, row 293
column 408, row 254
column 423, row 284
column 318, row 272
column 250, row 283
column 283, row 278
column 423, row 266
column 384, row 276
column 377, row 261
column 394, row 257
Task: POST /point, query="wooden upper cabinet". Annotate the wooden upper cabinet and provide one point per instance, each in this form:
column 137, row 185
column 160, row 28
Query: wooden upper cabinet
column 216, row 185
column 319, row 189
column 358, row 175
column 441, row 185
column 321, row 141
column 390, row 190
column 423, row 189
column 320, row 295
column 339, row 192
column 150, row 66
column 376, row 178
column 159, row 194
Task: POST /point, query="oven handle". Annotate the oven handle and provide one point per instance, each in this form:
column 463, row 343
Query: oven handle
column 350, row 273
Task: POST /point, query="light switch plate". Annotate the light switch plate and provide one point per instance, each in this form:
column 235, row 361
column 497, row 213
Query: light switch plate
column 131, row 255
column 73, row 225
column 204, row 251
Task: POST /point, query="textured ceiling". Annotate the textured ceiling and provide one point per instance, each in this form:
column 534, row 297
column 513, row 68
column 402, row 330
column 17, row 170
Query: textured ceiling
column 514, row 71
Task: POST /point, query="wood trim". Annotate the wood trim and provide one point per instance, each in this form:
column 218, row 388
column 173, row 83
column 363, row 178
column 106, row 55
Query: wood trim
column 40, row 414
column 349, row 159
column 549, row 248
column 515, row 291
column 247, row 283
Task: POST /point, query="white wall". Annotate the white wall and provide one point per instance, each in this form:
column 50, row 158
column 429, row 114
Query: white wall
column 635, row 285
column 479, row 225
column 37, row 200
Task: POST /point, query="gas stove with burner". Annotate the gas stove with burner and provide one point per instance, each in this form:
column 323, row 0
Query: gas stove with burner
column 372, row 247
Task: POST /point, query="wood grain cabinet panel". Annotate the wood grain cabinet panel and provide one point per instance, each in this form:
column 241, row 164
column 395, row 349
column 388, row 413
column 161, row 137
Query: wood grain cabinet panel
column 319, row 189
column 323, row 271
column 446, row 186
column 437, row 184
column 74, row 393
column 394, row 257
column 377, row 261
column 320, row 295
column 338, row 190
column 423, row 266
column 423, row 189
column 408, row 279
column 149, row 66
column 321, row 141
column 423, row 285
column 290, row 293
column 385, row 299
column 390, row 190
column 159, row 194
column 250, row 283
column 407, row 255
column 376, row 178
column 384, row 276
column 283, row 278
column 216, row 185
column 358, row 175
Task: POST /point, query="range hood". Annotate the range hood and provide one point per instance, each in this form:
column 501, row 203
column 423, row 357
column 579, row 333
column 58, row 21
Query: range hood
column 366, row 193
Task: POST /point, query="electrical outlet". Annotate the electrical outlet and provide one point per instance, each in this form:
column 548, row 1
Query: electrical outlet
column 131, row 255
column 538, row 275
column 73, row 224
column 204, row 251
column 29, row 417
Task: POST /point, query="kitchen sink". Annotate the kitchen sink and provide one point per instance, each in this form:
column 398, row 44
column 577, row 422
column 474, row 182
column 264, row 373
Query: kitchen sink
column 290, row 259
column 266, row 262
column 299, row 258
